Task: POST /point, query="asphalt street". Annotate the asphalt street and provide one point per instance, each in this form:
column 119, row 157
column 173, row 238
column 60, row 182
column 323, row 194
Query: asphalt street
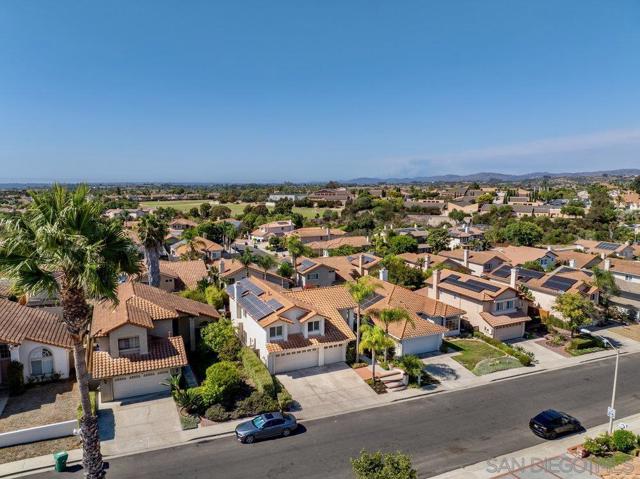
column 441, row 432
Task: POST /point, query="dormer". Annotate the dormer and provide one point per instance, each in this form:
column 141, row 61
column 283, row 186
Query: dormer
column 313, row 325
column 277, row 331
column 127, row 340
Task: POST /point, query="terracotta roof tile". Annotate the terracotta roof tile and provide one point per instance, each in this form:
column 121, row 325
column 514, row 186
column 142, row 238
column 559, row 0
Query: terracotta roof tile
column 163, row 353
column 504, row 319
column 19, row 323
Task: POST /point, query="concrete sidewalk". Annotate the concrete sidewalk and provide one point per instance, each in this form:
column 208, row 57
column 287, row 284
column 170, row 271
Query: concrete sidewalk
column 538, row 456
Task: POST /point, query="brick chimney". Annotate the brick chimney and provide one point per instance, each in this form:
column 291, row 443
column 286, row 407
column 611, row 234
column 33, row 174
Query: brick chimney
column 513, row 279
column 436, row 285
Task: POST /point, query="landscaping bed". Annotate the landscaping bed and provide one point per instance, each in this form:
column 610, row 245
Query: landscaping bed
column 40, row 448
column 609, row 451
column 481, row 356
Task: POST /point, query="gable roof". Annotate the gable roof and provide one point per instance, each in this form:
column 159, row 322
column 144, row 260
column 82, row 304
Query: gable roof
column 140, row 304
column 19, row 323
column 467, row 285
column 315, row 231
column 200, row 244
column 625, row 266
column 345, row 266
column 517, row 255
column 582, row 260
column 419, row 306
column 354, row 241
column 475, row 257
column 189, row 272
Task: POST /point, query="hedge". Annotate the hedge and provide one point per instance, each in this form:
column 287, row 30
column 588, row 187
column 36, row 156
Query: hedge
column 15, row 374
column 257, row 372
column 524, row 358
column 580, row 343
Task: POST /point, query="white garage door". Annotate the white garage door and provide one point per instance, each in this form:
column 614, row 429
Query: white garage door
column 424, row 344
column 333, row 353
column 140, row 384
column 292, row 360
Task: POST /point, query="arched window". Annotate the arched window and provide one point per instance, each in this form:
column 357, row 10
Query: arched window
column 41, row 361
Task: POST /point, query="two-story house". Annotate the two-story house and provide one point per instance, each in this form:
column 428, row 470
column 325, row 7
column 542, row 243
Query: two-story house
column 330, row 270
column 519, row 255
column 606, row 248
column 202, row 247
column 292, row 330
column 275, row 228
column 231, row 270
column 358, row 243
column 432, row 319
column 479, row 262
column 464, row 235
column 179, row 275
column 140, row 342
column 493, row 309
column 315, row 234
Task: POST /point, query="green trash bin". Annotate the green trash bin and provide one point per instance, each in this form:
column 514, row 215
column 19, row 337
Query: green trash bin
column 60, row 459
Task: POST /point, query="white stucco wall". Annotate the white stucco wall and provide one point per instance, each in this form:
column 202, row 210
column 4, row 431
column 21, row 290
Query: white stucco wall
column 128, row 331
column 61, row 357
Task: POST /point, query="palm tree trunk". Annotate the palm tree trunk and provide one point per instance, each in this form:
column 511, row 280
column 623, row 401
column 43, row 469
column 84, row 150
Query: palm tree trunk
column 373, row 365
column 91, row 455
column 358, row 335
column 152, row 263
column 386, row 350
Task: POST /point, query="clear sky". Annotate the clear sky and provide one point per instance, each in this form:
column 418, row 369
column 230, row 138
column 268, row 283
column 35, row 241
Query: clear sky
column 314, row 90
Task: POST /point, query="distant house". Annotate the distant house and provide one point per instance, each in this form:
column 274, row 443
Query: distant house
column 36, row 338
column 495, row 310
column 330, row 270
column 627, row 300
column 325, row 246
column 426, row 261
column 466, row 204
column 181, row 224
column 577, row 259
column 207, row 249
column 141, row 341
column 623, row 270
column 479, row 262
column 316, row 234
column 275, row 228
column 606, row 248
column 327, row 194
column 232, row 270
column 519, row 255
column 433, row 319
column 292, row 330
column 179, row 275
column 464, row 235
column 286, row 196
column 128, row 214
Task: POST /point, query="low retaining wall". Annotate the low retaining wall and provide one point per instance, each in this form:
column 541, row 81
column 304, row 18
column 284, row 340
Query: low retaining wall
column 38, row 433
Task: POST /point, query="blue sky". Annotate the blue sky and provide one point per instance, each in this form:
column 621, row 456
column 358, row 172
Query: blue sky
column 315, row 90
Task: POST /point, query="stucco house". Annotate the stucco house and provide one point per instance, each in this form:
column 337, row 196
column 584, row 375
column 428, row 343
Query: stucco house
column 142, row 340
column 275, row 228
column 206, row 249
column 519, row 255
column 464, row 235
column 292, row 330
column 324, row 247
column 433, row 319
column 479, row 262
column 315, row 234
column 493, row 309
column 231, row 270
column 330, row 270
column 623, row 270
column 605, row 248
column 35, row 337
column 179, row 275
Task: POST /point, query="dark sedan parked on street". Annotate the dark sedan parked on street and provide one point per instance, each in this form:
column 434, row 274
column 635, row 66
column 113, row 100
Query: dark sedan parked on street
column 266, row 425
column 550, row 424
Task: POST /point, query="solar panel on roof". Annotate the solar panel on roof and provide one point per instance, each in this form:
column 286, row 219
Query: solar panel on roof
column 305, row 265
column 607, row 245
column 482, row 285
column 462, row 284
column 255, row 307
column 503, row 271
column 274, row 304
column 245, row 285
column 528, row 274
column 371, row 300
column 559, row 283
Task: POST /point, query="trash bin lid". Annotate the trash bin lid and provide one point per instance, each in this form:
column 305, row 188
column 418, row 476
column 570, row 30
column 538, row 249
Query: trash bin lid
column 61, row 455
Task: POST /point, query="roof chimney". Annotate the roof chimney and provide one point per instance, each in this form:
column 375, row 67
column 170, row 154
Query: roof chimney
column 327, row 231
column 325, row 253
column 436, row 284
column 383, row 274
column 603, row 256
column 360, row 264
column 607, row 264
column 549, row 248
column 235, row 291
column 466, row 227
column 572, row 263
column 514, row 278
column 221, row 267
column 465, row 257
column 427, row 262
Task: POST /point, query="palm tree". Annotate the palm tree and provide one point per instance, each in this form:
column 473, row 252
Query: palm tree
column 152, row 231
column 192, row 241
column 229, row 234
column 266, row 262
column 606, row 284
column 61, row 245
column 296, row 248
column 375, row 340
column 246, row 258
column 388, row 316
column 360, row 290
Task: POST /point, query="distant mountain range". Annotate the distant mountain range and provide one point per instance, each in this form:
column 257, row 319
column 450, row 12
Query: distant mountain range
column 488, row 176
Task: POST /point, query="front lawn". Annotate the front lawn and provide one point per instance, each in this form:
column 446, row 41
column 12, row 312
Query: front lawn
column 473, row 351
column 611, row 460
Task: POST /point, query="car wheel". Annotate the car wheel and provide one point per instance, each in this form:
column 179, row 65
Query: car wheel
column 552, row 435
column 249, row 440
column 286, row 433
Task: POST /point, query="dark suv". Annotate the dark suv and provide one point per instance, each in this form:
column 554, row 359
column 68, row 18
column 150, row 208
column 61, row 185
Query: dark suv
column 550, row 424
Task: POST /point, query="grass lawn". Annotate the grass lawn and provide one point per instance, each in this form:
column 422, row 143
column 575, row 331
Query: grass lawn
column 40, row 448
column 580, row 352
column 611, row 460
column 630, row 331
column 493, row 365
column 236, row 208
column 472, row 351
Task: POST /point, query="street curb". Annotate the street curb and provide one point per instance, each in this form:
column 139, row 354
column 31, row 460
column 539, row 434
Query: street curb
column 537, row 371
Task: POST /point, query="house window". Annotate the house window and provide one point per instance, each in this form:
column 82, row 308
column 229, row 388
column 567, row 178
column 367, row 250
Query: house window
column 628, row 277
column 129, row 345
column 452, row 324
column 41, row 361
column 275, row 332
column 313, row 327
column 313, row 276
column 4, row 351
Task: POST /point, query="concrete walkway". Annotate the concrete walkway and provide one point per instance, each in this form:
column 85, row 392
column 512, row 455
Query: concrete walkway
column 539, row 460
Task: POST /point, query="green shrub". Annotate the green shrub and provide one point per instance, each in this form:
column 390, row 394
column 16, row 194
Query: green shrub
column 383, row 466
column 15, row 378
column 221, row 383
column 588, row 342
column 351, row 353
column 285, row 401
column 189, row 422
column 217, row 413
column 526, row 358
column 188, row 399
column 553, row 322
column 256, row 403
column 599, row 446
column 257, row 372
column 412, row 365
column 221, row 338
column 444, row 347
column 624, row 441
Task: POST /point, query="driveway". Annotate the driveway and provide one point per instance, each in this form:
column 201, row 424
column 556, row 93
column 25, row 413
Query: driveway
column 138, row 423
column 327, row 390
column 450, row 373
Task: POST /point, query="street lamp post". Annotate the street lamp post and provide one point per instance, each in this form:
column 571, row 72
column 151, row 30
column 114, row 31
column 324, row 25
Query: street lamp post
column 615, row 376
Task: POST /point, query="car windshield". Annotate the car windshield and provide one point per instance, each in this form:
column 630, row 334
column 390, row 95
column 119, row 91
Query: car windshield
column 258, row 422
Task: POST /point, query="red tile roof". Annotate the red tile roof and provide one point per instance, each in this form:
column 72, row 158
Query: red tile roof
column 19, row 323
column 163, row 353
